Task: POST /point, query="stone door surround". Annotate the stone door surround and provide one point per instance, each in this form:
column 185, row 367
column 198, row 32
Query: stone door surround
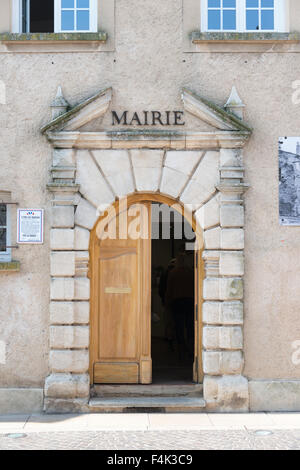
column 201, row 169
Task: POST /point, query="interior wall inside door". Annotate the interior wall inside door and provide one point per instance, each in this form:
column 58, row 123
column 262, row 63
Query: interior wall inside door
column 172, row 297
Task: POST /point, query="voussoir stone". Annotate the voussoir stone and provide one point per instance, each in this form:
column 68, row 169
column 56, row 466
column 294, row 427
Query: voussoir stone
column 92, row 183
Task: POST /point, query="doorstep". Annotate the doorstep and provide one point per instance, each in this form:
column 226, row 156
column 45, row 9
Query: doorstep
column 181, row 398
column 163, row 404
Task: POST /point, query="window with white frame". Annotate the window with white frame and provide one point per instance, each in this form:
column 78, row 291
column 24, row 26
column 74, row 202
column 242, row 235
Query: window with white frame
column 48, row 16
column 5, row 250
column 243, row 15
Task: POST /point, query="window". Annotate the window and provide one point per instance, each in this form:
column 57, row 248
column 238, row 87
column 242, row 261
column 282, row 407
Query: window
column 76, row 15
column 37, row 19
column 48, row 16
column 221, row 15
column 243, row 15
column 5, row 252
column 259, row 15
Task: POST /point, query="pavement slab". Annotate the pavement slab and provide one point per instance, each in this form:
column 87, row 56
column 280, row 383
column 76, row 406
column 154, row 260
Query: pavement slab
column 153, row 440
column 138, row 431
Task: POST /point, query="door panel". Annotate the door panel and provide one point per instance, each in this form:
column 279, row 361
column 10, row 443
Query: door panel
column 118, row 307
column 116, row 373
column 123, row 289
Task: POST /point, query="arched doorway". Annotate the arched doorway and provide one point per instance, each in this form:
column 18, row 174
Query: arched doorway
column 121, row 291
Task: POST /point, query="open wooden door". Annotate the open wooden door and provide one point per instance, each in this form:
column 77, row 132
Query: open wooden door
column 121, row 336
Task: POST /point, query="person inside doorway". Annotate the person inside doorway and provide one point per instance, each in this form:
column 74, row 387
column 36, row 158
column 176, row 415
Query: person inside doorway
column 169, row 325
column 180, row 299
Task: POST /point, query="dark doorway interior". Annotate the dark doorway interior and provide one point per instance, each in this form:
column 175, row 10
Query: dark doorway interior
column 172, row 319
column 41, row 16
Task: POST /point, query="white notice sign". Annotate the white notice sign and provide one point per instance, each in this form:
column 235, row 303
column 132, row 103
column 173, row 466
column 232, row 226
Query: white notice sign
column 30, row 225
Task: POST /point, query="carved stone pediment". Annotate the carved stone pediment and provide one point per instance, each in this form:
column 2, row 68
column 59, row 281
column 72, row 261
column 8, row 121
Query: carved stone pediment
column 228, row 129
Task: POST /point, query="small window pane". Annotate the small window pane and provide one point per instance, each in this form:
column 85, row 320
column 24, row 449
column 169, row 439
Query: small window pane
column 214, row 19
column 252, row 21
column 267, row 3
column 229, row 3
column 67, row 3
column 3, row 239
column 83, row 3
column 229, row 19
column 267, row 19
column 2, row 215
column 67, row 20
column 83, row 20
column 214, row 3
column 252, row 4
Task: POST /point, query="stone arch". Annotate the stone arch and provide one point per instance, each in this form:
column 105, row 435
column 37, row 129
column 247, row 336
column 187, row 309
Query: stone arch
column 203, row 170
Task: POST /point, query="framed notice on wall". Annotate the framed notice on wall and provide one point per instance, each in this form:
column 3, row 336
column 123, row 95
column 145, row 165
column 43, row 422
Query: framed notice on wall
column 30, row 226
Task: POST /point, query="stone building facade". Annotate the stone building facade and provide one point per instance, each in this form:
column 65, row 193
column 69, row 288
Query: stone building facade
column 78, row 133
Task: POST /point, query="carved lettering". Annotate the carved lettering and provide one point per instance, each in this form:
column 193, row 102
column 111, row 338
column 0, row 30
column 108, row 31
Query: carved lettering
column 115, row 118
column 178, row 115
column 148, row 118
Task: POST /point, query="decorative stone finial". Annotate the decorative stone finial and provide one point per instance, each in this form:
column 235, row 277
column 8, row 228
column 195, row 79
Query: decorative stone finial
column 234, row 104
column 59, row 105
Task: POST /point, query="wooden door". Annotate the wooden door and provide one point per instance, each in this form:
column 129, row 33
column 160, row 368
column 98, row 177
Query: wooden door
column 121, row 336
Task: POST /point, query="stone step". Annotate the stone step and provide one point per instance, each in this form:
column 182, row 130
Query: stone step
column 147, row 405
column 153, row 390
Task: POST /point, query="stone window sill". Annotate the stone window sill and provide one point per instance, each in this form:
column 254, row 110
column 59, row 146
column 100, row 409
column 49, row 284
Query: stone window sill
column 9, row 266
column 56, row 42
column 245, row 42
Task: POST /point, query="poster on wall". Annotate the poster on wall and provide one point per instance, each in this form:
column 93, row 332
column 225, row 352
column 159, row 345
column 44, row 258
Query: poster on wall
column 30, row 226
column 289, row 180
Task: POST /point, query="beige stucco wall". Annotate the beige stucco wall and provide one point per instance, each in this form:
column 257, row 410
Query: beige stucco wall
column 147, row 71
column 294, row 15
column 5, row 16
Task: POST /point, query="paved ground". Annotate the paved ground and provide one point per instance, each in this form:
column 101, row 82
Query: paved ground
column 151, row 431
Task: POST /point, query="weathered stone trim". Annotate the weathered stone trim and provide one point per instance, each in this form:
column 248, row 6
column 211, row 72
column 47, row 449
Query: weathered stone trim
column 52, row 42
column 220, row 42
column 270, row 38
column 10, row 266
column 140, row 139
column 52, row 37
